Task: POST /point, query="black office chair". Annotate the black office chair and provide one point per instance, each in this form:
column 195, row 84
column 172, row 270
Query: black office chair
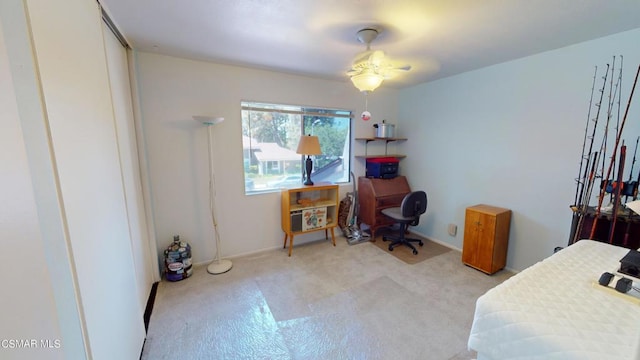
column 408, row 213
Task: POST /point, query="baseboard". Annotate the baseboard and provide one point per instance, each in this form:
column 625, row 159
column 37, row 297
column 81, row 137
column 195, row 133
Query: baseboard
column 265, row 250
column 453, row 247
column 440, row 242
column 150, row 301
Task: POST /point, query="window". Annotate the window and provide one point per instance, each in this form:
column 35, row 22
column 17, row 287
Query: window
column 270, row 135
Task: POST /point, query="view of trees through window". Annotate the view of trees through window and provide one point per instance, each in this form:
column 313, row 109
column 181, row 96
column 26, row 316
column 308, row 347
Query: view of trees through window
column 270, row 136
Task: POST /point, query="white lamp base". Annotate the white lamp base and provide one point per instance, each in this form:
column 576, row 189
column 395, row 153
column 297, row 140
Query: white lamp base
column 219, row 267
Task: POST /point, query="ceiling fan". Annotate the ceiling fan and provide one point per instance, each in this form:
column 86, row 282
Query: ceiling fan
column 371, row 67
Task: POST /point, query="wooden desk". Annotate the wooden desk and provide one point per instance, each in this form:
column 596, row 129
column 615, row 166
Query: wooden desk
column 377, row 194
column 309, row 208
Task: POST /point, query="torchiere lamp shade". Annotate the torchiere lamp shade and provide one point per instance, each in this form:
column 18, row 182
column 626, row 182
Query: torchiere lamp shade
column 309, row 145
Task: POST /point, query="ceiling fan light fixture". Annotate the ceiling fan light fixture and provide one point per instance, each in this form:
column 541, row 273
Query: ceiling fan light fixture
column 367, row 80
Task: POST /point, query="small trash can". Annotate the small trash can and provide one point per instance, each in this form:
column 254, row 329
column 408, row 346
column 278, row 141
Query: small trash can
column 177, row 260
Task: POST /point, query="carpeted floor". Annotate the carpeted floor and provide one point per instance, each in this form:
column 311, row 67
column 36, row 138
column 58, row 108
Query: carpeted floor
column 324, row 302
column 404, row 253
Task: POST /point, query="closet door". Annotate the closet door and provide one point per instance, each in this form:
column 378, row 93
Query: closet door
column 129, row 164
column 69, row 46
column 28, row 308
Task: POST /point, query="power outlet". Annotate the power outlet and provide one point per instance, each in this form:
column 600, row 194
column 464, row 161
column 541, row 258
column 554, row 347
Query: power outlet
column 453, row 229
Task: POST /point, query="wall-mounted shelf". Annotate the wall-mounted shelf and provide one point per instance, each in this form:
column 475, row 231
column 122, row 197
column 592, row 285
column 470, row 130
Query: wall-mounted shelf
column 367, row 139
column 386, row 140
column 397, row 156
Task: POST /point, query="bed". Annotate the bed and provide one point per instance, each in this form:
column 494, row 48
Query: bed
column 556, row 309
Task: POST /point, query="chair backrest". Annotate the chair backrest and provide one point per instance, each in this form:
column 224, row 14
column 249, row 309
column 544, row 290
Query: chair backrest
column 414, row 204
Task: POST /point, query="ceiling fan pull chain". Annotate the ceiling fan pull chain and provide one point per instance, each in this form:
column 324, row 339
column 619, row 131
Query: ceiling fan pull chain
column 366, row 115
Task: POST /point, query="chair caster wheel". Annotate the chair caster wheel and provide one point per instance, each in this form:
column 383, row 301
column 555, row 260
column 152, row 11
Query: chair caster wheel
column 390, row 248
column 421, row 243
column 415, row 252
column 384, row 238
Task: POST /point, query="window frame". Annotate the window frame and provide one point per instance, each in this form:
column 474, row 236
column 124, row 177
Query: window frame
column 326, row 119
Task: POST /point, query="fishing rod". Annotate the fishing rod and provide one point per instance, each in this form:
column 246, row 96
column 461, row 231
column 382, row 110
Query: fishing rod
column 582, row 205
column 612, row 100
column 585, row 202
column 618, row 191
column 618, row 136
column 606, row 136
column 580, row 182
column 629, row 187
column 620, row 84
column 629, row 211
column 603, row 145
column 635, row 190
column 619, row 88
column 597, row 117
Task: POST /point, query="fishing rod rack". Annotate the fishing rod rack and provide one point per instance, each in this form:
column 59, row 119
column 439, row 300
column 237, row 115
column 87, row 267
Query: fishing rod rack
column 608, row 221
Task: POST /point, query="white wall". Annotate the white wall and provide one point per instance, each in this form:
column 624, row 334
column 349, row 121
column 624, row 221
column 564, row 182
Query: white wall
column 511, row 135
column 27, row 309
column 172, row 90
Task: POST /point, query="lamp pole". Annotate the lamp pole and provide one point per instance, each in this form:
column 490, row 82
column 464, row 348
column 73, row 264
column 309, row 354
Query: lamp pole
column 217, row 266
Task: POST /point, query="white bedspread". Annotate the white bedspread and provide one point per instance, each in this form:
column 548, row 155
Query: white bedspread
column 553, row 310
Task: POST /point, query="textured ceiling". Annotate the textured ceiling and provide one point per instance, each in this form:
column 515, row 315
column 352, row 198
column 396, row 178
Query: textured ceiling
column 318, row 38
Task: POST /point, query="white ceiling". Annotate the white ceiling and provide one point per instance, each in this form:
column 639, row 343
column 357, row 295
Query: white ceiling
column 438, row 38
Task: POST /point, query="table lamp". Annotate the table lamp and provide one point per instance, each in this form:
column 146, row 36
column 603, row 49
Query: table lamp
column 309, row 145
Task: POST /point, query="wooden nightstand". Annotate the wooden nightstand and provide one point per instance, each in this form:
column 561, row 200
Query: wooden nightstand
column 486, row 236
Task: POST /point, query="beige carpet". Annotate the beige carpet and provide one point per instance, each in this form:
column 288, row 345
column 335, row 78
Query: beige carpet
column 323, row 302
column 404, row 253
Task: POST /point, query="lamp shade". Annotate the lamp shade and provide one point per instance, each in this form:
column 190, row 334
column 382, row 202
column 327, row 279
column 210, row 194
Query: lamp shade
column 309, row 145
column 208, row 120
column 367, row 80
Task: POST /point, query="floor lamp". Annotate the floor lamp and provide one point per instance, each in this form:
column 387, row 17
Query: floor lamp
column 217, row 266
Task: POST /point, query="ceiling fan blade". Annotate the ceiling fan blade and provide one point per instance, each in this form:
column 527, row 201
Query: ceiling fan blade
column 370, row 58
column 354, row 72
column 403, row 68
column 362, row 57
column 391, row 71
column 377, row 58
